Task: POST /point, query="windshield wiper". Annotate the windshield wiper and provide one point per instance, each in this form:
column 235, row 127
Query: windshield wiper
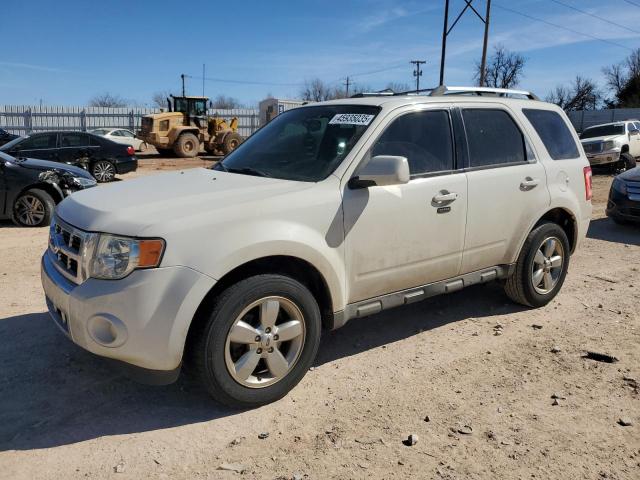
column 246, row 171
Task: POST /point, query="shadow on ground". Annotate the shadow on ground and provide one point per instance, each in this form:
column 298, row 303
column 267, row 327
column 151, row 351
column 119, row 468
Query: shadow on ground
column 609, row 231
column 54, row 393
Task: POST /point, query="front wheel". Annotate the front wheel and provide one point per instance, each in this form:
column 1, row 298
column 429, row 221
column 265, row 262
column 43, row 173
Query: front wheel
column 187, row 145
column 541, row 267
column 627, row 162
column 103, row 171
column 257, row 342
column 33, row 208
column 231, row 142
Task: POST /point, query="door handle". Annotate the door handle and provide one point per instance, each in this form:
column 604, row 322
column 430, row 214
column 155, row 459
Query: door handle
column 529, row 183
column 444, row 196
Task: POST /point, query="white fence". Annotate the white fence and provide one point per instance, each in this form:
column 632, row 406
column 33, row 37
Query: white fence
column 25, row 119
column 582, row 119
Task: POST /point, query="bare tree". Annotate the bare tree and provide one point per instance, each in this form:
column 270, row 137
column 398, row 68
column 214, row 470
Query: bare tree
column 225, row 102
column 582, row 94
column 398, row 87
column 107, row 100
column 159, row 99
column 503, row 69
column 317, row 91
column 622, row 80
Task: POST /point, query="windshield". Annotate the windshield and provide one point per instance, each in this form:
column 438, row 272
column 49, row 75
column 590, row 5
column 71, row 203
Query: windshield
column 7, row 146
column 603, row 131
column 305, row 144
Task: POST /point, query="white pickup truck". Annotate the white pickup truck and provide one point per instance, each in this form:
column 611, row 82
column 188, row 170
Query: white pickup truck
column 616, row 145
column 332, row 211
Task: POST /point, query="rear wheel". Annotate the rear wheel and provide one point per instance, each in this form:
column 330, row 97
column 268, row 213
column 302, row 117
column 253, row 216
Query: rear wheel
column 231, row 142
column 33, row 208
column 541, row 267
column 258, row 341
column 103, row 171
column 187, row 145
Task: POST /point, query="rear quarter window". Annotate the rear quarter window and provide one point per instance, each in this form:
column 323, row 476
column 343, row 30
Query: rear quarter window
column 553, row 132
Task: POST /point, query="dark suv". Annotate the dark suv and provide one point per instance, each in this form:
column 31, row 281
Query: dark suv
column 30, row 188
column 100, row 156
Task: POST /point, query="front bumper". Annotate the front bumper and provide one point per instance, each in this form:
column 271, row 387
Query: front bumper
column 603, row 158
column 621, row 206
column 141, row 320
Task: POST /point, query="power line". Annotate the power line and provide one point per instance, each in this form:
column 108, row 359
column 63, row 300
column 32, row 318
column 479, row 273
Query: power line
column 595, row 16
column 536, row 19
column 632, row 3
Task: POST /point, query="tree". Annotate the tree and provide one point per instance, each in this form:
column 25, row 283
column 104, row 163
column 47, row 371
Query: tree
column 159, row 99
column 582, row 94
column 623, row 80
column 398, row 87
column 503, row 69
column 316, row 90
column 225, row 102
column 107, row 100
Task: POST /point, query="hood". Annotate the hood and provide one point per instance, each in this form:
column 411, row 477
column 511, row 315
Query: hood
column 631, row 175
column 42, row 165
column 149, row 205
column 601, row 139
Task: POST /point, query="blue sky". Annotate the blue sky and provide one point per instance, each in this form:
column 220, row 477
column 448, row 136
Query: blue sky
column 65, row 51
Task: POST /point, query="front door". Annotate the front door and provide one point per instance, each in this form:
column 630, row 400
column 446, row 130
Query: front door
column 403, row 236
column 39, row 145
column 507, row 187
column 634, row 139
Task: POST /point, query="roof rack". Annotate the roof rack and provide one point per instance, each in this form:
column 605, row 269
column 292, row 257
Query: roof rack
column 373, row 94
column 481, row 91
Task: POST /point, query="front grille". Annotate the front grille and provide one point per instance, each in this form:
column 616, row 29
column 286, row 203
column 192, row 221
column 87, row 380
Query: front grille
column 593, row 147
column 67, row 246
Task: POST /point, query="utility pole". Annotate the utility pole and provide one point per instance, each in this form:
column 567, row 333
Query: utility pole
column 445, row 33
column 483, row 63
column 347, row 83
column 447, row 30
column 417, row 72
column 182, row 77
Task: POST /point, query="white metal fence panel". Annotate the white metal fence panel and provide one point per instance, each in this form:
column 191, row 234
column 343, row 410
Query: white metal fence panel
column 25, row 119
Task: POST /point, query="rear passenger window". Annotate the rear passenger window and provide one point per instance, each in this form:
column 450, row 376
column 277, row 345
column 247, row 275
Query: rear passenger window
column 493, row 138
column 74, row 140
column 424, row 138
column 553, row 132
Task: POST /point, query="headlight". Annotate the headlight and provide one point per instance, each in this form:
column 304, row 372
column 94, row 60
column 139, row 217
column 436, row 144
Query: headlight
column 84, row 182
column 608, row 145
column 619, row 186
column 116, row 257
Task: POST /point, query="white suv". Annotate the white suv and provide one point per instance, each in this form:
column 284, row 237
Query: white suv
column 332, row 211
column 615, row 145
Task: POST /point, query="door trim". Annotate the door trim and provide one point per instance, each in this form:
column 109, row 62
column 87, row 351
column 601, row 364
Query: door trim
column 374, row 305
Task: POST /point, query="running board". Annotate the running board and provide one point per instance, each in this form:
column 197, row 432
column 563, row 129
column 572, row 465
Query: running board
column 416, row 294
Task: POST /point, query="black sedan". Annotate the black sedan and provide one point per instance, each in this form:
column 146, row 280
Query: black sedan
column 98, row 155
column 30, row 188
column 624, row 197
column 6, row 137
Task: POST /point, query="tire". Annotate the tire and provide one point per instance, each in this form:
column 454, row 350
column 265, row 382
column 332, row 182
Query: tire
column 187, row 146
column 627, row 161
column 215, row 357
column 520, row 286
column 33, row 208
column 103, row 171
column 231, row 142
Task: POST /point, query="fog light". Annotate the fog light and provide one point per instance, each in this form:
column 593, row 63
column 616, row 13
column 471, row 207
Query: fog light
column 107, row 330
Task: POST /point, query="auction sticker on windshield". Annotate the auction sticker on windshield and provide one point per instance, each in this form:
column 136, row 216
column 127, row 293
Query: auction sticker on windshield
column 351, row 119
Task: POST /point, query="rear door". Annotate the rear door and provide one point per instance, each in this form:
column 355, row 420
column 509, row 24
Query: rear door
column 507, row 186
column 75, row 148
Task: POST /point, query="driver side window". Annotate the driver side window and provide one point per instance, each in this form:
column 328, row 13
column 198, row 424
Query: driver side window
column 424, row 138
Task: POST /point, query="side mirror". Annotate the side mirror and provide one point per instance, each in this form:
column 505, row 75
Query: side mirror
column 382, row 170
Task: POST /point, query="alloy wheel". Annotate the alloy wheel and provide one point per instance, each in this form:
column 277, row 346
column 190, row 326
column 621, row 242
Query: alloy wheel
column 264, row 342
column 30, row 210
column 104, row 171
column 547, row 266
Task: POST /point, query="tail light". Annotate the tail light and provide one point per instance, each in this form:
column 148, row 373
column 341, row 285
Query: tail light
column 588, row 190
column 130, row 150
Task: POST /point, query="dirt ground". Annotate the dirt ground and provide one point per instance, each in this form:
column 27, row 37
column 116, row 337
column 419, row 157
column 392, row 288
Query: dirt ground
column 480, row 402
